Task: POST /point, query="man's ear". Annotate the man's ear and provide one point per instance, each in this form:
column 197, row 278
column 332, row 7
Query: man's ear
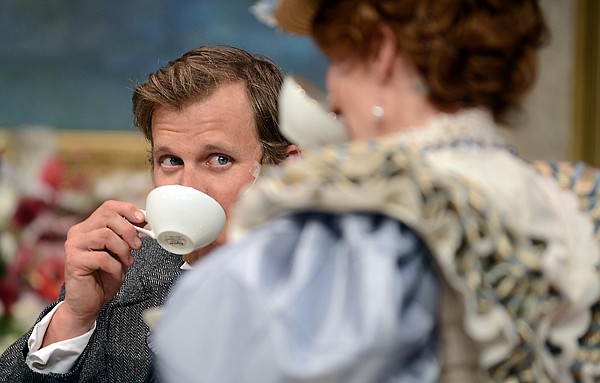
column 292, row 151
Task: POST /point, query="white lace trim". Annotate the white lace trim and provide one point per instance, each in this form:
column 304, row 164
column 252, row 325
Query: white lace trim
column 472, row 125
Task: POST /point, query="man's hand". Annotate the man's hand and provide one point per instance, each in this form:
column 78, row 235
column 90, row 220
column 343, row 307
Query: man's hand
column 98, row 252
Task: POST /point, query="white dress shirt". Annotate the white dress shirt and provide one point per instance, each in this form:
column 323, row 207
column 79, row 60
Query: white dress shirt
column 58, row 357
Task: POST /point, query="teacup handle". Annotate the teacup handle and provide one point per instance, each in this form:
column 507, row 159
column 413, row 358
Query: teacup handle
column 149, row 233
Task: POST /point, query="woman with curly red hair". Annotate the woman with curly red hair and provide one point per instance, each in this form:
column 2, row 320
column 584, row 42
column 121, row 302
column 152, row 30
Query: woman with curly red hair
column 422, row 248
column 467, row 53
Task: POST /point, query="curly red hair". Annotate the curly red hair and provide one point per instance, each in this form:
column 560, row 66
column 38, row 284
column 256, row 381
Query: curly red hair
column 471, row 53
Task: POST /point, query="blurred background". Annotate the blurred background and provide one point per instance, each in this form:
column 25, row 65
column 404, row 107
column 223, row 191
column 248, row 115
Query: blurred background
column 67, row 140
column 71, row 63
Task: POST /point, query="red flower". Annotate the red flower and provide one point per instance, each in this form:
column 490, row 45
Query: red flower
column 27, row 211
column 9, row 294
column 46, row 278
column 53, row 173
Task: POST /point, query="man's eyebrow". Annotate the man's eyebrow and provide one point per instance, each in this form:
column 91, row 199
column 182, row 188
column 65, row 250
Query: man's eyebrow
column 157, row 149
column 219, row 148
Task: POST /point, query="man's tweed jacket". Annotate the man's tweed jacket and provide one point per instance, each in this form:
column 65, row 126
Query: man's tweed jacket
column 118, row 350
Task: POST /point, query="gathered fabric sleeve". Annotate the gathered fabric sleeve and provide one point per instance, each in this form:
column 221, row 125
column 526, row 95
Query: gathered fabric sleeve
column 308, row 297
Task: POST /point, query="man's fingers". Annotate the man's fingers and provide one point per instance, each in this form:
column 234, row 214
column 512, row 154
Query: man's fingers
column 100, row 240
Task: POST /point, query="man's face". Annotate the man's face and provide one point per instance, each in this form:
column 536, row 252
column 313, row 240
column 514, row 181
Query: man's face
column 210, row 145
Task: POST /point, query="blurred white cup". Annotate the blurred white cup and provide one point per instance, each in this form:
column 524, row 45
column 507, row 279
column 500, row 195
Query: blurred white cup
column 303, row 115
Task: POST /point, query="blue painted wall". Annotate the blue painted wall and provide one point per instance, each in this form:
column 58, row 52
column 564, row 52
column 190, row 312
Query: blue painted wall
column 71, row 64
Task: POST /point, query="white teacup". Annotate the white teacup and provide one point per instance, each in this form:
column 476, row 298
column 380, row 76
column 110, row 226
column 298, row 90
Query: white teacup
column 182, row 219
column 303, row 115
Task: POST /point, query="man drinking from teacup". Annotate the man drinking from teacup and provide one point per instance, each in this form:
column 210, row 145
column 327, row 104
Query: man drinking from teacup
column 211, row 119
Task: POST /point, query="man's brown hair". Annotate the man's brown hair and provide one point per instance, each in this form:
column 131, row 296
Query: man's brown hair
column 197, row 74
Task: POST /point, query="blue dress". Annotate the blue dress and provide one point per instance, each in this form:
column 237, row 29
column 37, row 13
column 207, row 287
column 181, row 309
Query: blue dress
column 310, row 297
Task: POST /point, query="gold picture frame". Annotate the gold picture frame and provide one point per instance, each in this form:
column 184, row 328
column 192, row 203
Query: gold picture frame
column 91, row 152
column 586, row 104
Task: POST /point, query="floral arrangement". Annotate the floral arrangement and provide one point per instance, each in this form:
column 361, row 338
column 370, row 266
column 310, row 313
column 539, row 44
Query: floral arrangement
column 39, row 201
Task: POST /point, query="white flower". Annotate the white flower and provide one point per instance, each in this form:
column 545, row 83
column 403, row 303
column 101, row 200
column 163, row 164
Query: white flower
column 8, row 200
column 8, row 248
column 124, row 186
column 26, row 310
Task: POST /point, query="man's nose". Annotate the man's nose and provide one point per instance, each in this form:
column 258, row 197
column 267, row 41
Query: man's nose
column 193, row 179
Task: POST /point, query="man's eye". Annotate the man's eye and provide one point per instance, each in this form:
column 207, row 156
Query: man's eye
column 171, row 161
column 219, row 160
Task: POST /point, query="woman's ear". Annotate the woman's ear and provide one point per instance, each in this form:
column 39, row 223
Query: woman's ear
column 386, row 54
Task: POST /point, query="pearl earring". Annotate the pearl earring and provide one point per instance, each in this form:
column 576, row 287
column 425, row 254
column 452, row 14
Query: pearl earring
column 377, row 110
